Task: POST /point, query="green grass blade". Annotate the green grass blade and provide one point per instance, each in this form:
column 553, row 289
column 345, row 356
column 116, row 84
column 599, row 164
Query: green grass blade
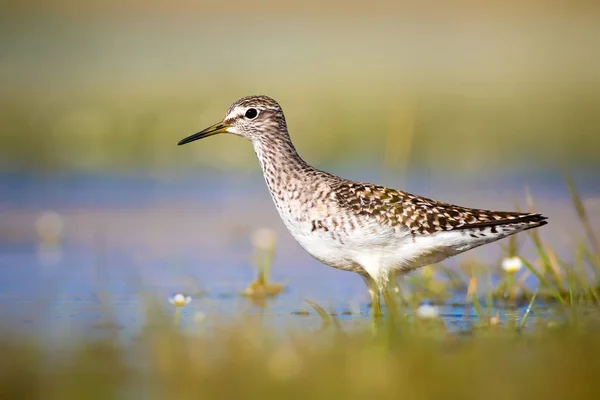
column 582, row 214
column 544, row 282
column 528, row 310
column 546, row 260
column 478, row 309
column 325, row 317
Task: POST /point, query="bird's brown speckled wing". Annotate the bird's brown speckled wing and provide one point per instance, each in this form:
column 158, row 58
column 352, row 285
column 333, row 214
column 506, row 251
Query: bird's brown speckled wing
column 419, row 214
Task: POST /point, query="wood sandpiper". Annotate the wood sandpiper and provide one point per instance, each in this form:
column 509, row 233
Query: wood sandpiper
column 354, row 226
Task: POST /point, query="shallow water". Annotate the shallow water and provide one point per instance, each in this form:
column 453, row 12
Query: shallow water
column 126, row 237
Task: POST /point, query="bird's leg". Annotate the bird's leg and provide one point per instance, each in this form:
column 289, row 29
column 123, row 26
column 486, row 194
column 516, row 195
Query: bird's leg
column 375, row 292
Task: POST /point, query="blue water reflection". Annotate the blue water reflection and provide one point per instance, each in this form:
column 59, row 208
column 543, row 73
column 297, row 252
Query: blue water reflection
column 126, row 237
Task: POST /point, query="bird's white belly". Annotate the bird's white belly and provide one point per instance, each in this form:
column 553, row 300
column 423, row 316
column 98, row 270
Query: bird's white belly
column 369, row 249
column 372, row 248
column 376, row 249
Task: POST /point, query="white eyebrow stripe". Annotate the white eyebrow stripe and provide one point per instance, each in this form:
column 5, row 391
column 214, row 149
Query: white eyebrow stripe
column 240, row 110
column 236, row 112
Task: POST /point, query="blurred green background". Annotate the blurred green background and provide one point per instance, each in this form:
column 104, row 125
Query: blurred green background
column 113, row 86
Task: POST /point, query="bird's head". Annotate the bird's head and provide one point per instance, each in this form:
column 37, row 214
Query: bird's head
column 253, row 117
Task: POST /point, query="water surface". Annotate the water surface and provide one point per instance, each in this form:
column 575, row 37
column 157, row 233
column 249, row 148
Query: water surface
column 130, row 238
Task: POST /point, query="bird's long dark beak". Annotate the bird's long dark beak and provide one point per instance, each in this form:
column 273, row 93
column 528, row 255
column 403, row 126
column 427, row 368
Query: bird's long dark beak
column 221, row 127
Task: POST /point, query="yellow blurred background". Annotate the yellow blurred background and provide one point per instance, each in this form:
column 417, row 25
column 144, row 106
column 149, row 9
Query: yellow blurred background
column 112, row 86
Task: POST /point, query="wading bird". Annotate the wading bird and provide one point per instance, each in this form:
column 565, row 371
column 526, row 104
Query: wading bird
column 354, row 226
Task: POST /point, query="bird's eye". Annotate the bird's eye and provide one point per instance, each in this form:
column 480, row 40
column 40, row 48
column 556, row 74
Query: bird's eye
column 251, row 113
